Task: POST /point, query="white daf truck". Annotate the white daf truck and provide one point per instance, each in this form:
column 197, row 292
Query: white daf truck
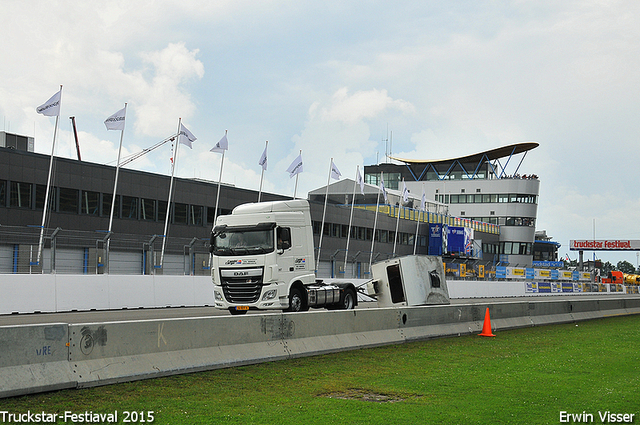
column 263, row 258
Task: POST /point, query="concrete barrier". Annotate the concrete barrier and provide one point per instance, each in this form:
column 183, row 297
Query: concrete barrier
column 47, row 357
column 125, row 351
column 34, row 358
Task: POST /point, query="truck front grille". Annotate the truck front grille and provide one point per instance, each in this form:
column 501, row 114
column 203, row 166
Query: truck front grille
column 241, row 286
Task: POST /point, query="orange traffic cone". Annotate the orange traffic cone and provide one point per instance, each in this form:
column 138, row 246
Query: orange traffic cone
column 486, row 328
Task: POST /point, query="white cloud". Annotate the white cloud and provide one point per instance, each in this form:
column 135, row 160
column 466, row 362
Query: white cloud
column 338, row 126
column 160, row 102
column 361, row 105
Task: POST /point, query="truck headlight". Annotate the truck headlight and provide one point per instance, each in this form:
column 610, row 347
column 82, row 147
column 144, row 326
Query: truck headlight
column 269, row 295
column 217, row 295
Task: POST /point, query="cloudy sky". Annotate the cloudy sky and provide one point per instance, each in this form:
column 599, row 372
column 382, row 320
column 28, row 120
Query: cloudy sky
column 335, row 79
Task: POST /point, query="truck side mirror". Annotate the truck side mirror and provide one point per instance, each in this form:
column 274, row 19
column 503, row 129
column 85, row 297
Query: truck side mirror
column 212, row 239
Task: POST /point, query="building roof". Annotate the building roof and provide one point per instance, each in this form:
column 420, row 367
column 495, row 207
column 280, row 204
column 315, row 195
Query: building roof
column 489, row 155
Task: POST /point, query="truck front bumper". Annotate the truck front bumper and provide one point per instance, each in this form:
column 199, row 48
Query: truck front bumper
column 269, row 299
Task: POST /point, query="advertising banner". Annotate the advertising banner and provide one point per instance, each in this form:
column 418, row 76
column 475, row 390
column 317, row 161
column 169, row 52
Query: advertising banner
column 456, row 240
column 565, row 275
column 605, row 245
column 542, row 274
column 544, row 287
column 501, row 272
column 435, row 239
column 515, row 272
column 548, row 264
column 567, row 287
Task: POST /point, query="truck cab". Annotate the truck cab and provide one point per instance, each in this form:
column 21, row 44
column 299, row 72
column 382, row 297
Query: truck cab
column 263, row 258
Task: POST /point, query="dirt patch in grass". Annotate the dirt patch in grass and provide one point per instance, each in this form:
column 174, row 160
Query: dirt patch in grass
column 364, row 395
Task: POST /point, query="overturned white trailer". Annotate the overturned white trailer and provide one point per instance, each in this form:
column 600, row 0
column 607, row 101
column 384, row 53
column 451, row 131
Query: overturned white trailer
column 412, row 280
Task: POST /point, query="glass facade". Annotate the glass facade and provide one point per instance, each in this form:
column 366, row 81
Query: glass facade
column 485, row 198
column 75, row 201
column 90, row 203
column 21, row 195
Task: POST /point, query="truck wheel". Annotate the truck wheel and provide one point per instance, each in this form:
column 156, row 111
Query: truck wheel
column 296, row 301
column 348, row 301
column 235, row 312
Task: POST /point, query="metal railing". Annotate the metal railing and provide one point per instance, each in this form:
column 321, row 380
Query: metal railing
column 86, row 252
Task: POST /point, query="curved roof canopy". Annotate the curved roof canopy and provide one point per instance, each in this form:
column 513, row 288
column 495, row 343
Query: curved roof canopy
column 490, row 155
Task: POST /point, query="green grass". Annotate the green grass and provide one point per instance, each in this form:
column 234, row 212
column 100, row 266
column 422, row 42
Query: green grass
column 523, row 376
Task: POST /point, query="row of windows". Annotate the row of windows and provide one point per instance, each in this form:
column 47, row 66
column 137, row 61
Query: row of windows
column 508, row 248
column 17, row 142
column 364, row 233
column 506, row 221
column 392, row 180
column 545, row 256
column 487, row 198
column 66, row 200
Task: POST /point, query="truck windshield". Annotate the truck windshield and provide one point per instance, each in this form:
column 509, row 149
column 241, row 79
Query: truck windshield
column 242, row 242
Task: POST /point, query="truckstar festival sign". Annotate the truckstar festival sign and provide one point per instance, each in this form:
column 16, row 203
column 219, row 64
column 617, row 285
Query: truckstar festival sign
column 605, row 245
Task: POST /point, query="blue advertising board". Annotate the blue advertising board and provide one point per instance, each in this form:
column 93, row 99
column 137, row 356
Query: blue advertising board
column 544, row 287
column 435, row 239
column 501, row 272
column 459, row 240
column 548, row 264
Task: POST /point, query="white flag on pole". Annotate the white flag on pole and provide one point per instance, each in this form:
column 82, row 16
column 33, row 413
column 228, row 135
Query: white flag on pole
column 51, row 108
column 295, row 167
column 185, row 136
column 116, row 121
column 383, row 189
column 335, row 173
column 263, row 159
column 405, row 193
column 360, row 181
column 222, row 145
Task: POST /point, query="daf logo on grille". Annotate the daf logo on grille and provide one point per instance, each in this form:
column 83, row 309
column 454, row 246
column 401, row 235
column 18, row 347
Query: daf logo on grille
column 241, row 273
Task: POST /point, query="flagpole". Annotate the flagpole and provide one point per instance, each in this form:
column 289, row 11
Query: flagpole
column 373, row 236
column 215, row 214
column 115, row 188
column 295, row 190
column 262, row 174
column 115, row 185
column 166, row 220
column 415, row 240
column 353, row 201
column 395, row 239
column 46, row 195
column 324, row 211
